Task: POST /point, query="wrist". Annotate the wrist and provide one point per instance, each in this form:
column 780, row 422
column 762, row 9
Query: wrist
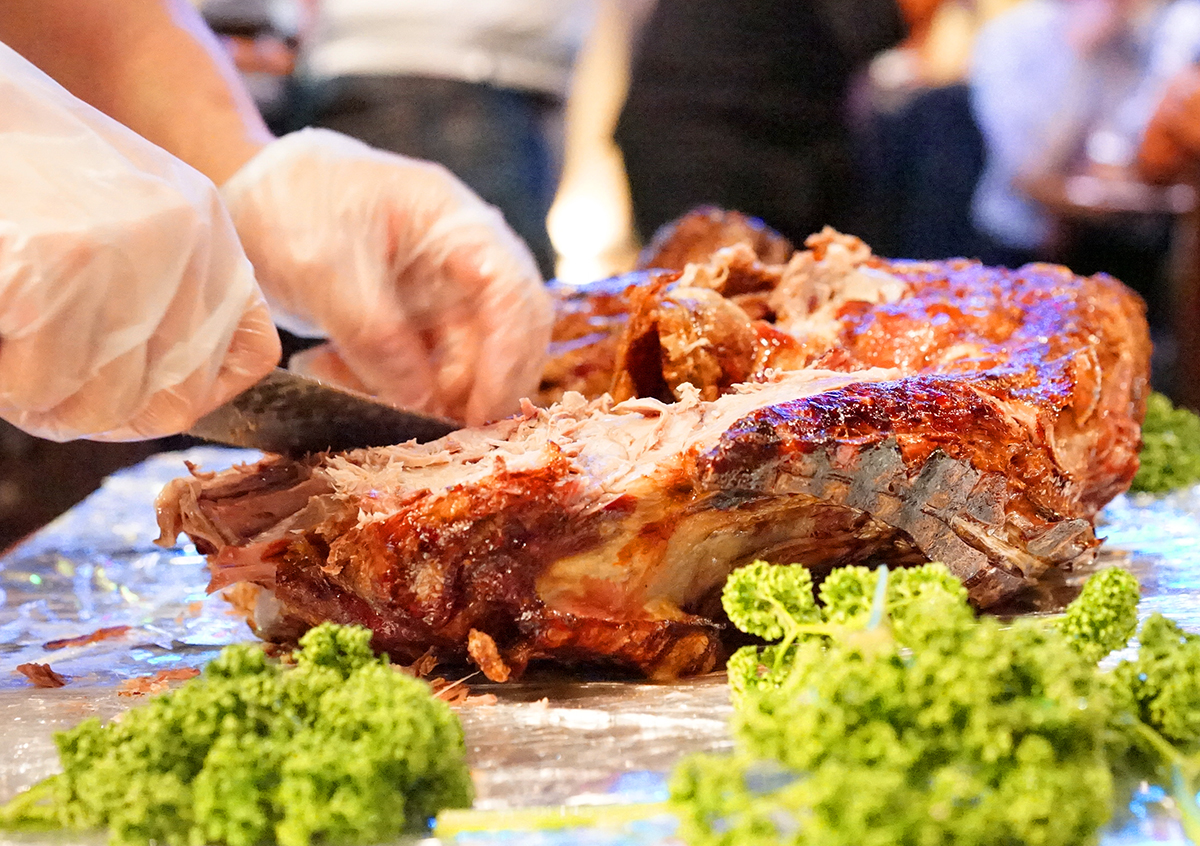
column 222, row 164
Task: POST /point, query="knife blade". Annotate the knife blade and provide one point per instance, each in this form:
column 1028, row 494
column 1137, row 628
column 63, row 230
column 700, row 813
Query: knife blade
column 292, row 415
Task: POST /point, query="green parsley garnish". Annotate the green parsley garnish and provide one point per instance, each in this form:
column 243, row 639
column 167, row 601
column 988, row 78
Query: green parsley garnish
column 898, row 717
column 1170, row 456
column 341, row 748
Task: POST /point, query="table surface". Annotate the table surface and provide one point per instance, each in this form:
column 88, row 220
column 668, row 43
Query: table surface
column 549, row 741
column 1094, row 195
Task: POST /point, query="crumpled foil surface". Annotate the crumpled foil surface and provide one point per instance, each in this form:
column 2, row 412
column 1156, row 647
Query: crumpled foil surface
column 543, row 742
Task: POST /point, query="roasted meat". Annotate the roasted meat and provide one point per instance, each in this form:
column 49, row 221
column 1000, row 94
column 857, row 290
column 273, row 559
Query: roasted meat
column 697, row 235
column 592, row 319
column 826, row 409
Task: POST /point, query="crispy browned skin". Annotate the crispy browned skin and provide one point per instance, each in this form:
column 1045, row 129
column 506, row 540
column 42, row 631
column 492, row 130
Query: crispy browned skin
column 1075, row 351
column 866, row 411
column 703, row 231
column 590, row 334
column 1071, row 354
column 589, row 324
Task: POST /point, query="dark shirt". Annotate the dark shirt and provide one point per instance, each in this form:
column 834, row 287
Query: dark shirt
column 742, row 104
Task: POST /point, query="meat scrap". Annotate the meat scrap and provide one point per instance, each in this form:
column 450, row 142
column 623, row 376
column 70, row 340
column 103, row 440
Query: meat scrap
column 700, row 233
column 456, row 694
column 42, row 675
column 156, row 683
column 105, row 633
column 484, row 653
column 822, row 407
column 423, row 666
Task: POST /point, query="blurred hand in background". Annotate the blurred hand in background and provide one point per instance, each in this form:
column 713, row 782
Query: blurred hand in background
column 1170, row 149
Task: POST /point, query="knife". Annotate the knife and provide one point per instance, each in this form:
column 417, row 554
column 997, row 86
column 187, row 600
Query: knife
column 292, row 415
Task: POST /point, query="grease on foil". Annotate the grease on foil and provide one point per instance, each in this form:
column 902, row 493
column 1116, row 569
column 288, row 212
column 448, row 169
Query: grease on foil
column 542, row 743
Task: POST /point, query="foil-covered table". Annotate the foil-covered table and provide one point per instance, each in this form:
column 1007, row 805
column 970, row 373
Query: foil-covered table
column 543, row 742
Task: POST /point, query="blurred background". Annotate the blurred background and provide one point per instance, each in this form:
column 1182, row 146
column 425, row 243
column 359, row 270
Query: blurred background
column 1006, row 130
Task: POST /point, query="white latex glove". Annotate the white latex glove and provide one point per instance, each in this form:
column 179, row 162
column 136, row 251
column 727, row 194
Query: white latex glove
column 428, row 299
column 127, row 307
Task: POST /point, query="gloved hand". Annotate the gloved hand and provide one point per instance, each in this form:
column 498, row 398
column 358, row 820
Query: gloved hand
column 127, row 307
column 1170, row 148
column 428, row 299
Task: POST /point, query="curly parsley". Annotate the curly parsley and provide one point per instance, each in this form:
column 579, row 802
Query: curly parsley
column 1170, row 456
column 341, row 748
column 899, row 718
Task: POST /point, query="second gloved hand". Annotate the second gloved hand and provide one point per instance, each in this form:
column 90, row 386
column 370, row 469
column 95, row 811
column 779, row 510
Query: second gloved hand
column 427, row 298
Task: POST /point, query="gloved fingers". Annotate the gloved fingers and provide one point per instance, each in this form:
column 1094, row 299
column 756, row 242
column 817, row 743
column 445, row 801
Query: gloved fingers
column 323, row 363
column 503, row 342
column 461, row 247
column 515, row 346
column 311, row 214
column 392, row 362
column 456, row 362
column 127, row 305
column 102, row 326
column 424, row 362
column 253, row 351
column 396, row 261
column 474, row 288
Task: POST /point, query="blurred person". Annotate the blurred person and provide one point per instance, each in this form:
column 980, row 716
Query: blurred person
column 1170, row 153
column 478, row 86
column 1063, row 91
column 1170, row 149
column 918, row 147
column 743, row 105
column 1066, row 87
column 935, row 50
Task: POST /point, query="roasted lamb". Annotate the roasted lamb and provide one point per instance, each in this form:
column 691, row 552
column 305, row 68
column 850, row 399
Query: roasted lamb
column 821, row 407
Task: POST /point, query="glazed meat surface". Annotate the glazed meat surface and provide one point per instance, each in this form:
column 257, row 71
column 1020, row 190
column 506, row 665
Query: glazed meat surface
column 825, row 408
column 697, row 235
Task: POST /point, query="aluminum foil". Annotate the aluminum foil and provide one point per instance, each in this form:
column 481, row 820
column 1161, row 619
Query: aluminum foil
column 542, row 742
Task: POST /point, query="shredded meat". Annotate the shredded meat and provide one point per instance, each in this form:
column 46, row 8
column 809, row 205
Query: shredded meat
column 486, row 656
column 157, row 683
column 105, row 633
column 824, row 407
column 42, row 675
